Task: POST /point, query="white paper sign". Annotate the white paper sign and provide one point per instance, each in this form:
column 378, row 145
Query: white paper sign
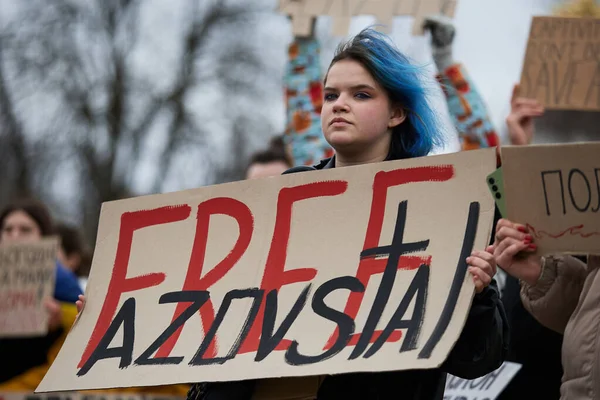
column 487, row 387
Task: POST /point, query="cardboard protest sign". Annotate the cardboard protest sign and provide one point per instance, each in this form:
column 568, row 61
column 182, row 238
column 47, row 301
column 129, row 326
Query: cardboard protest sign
column 488, row 387
column 85, row 396
column 555, row 191
column 343, row 270
column 562, row 63
column 303, row 12
column 27, row 275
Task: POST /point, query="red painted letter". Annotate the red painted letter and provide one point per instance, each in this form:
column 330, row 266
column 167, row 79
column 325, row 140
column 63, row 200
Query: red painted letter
column 369, row 266
column 275, row 276
column 194, row 279
column 119, row 283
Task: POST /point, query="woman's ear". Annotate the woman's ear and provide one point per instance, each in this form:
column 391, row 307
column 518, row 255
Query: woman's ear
column 397, row 117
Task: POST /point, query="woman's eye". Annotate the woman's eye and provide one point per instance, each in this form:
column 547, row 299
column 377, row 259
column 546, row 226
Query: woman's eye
column 362, row 95
column 330, row 96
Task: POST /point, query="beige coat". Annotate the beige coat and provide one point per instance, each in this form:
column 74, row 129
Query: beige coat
column 566, row 299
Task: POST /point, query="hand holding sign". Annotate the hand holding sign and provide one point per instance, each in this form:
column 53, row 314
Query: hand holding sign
column 515, row 252
column 555, row 192
column 482, row 265
column 80, row 303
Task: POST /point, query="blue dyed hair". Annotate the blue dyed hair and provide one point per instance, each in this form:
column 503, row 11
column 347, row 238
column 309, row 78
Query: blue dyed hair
column 404, row 85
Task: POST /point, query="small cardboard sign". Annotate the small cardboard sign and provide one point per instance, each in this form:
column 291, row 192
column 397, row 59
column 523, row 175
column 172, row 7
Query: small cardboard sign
column 488, row 387
column 27, row 275
column 303, row 12
column 562, row 63
column 555, row 191
column 354, row 269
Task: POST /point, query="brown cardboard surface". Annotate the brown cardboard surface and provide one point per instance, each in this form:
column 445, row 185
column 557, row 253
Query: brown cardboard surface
column 342, row 10
column 555, row 190
column 247, row 236
column 424, row 9
column 27, row 275
column 562, row 63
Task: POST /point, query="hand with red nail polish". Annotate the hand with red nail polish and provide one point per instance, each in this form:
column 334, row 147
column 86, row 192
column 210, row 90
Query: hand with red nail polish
column 516, row 253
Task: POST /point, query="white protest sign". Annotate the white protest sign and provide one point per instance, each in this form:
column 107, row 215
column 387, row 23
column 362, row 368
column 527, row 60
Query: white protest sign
column 487, row 387
column 344, row 270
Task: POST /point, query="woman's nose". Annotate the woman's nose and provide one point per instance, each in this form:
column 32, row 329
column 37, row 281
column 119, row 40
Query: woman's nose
column 340, row 105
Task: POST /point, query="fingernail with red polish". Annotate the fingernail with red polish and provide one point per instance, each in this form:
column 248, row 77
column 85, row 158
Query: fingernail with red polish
column 522, row 229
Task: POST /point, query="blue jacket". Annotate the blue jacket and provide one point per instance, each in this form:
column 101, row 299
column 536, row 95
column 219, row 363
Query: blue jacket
column 67, row 287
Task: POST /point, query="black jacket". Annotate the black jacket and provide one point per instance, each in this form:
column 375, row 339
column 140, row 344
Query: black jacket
column 481, row 348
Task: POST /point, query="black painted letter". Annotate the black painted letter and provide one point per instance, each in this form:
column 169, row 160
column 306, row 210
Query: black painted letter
column 256, row 295
column 197, row 298
column 457, row 282
column 268, row 339
column 572, row 195
column 125, row 317
column 394, row 252
column 418, row 291
column 344, row 322
column 562, row 190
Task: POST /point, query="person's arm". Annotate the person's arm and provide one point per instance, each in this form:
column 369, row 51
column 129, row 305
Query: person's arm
column 304, row 100
column 467, row 108
column 554, row 297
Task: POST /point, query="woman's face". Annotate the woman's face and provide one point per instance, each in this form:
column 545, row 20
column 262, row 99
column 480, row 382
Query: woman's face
column 357, row 116
column 19, row 227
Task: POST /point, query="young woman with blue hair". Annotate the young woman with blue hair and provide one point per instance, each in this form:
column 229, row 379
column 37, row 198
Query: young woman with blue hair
column 375, row 109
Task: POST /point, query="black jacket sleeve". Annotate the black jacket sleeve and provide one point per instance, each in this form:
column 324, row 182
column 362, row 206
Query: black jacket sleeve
column 484, row 342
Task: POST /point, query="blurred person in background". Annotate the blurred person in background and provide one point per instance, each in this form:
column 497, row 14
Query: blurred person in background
column 73, row 253
column 535, row 347
column 30, row 358
column 272, row 161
